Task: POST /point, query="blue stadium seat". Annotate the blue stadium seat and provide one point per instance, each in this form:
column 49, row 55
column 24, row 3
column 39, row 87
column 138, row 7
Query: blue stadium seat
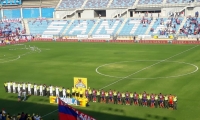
column 97, row 3
column 80, row 27
column 150, row 1
column 122, row 3
column 178, row 1
column 133, row 27
column 157, row 25
column 38, row 27
column 71, row 4
column 107, row 27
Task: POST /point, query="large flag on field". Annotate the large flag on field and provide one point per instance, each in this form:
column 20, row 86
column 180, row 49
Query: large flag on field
column 66, row 112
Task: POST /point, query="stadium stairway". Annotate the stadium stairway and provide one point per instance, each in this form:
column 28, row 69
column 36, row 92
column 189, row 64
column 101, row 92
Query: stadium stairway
column 122, row 25
column 84, row 4
column 182, row 24
column 58, row 4
column 64, row 31
column 110, row 2
column 26, row 26
column 97, row 22
column 150, row 26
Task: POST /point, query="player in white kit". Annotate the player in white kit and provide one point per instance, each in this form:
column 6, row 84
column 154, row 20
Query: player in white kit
column 57, row 91
column 35, row 89
column 29, row 88
column 14, row 90
column 9, row 87
column 64, row 92
column 41, row 90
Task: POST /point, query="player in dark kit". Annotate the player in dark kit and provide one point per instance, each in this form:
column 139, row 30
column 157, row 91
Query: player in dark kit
column 110, row 96
column 87, row 94
column 127, row 98
column 152, row 100
column 161, row 100
column 135, row 98
column 144, row 98
column 94, row 95
column 102, row 96
column 119, row 98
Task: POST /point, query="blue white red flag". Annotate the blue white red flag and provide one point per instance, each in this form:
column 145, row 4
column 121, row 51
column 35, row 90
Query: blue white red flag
column 66, row 112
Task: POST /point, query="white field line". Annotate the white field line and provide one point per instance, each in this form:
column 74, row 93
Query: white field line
column 49, row 113
column 196, row 69
column 148, row 67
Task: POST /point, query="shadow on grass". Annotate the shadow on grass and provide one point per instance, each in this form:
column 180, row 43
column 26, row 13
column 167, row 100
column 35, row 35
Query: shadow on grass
column 15, row 107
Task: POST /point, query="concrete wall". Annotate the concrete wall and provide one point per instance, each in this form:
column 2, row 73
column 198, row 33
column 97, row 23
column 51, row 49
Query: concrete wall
column 111, row 12
column 87, row 14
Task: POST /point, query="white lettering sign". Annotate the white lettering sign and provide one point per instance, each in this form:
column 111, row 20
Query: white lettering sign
column 82, row 36
column 136, row 25
column 100, row 36
column 54, row 28
column 80, row 27
column 47, row 36
column 107, row 27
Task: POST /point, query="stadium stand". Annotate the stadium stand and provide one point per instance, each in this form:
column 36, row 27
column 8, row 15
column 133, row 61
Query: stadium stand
column 71, row 4
column 165, row 26
column 80, row 27
column 178, row 1
column 107, row 27
column 44, row 26
column 11, row 28
column 122, row 3
column 150, row 1
column 97, row 3
column 11, row 2
column 191, row 27
column 135, row 27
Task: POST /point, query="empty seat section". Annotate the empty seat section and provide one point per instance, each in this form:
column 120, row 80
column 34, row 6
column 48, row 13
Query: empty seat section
column 80, row 27
column 97, row 3
column 107, row 27
column 178, row 1
column 122, row 3
column 53, row 27
column 71, row 4
column 134, row 27
column 150, row 1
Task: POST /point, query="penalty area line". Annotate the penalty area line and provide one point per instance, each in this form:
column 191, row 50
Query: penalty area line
column 149, row 67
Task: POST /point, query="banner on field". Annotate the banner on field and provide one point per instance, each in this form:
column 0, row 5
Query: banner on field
column 82, row 36
column 53, row 100
column 193, row 36
column 47, row 36
column 163, row 37
column 100, row 36
column 143, row 37
column 70, row 101
column 80, row 83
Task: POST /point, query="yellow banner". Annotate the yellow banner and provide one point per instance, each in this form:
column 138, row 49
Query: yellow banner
column 53, row 99
column 80, row 83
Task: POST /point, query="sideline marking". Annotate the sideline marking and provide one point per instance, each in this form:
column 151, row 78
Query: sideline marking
column 49, row 113
column 149, row 67
column 147, row 61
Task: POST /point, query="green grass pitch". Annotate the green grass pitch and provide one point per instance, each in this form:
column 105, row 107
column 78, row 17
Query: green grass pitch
column 137, row 67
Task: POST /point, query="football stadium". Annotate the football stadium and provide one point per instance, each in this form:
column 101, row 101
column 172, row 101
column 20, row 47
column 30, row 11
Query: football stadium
column 99, row 59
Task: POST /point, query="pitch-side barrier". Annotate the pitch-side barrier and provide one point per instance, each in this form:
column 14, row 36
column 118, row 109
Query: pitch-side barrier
column 108, row 41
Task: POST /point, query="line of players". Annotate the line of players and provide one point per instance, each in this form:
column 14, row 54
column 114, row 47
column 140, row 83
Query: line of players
column 130, row 98
column 101, row 96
